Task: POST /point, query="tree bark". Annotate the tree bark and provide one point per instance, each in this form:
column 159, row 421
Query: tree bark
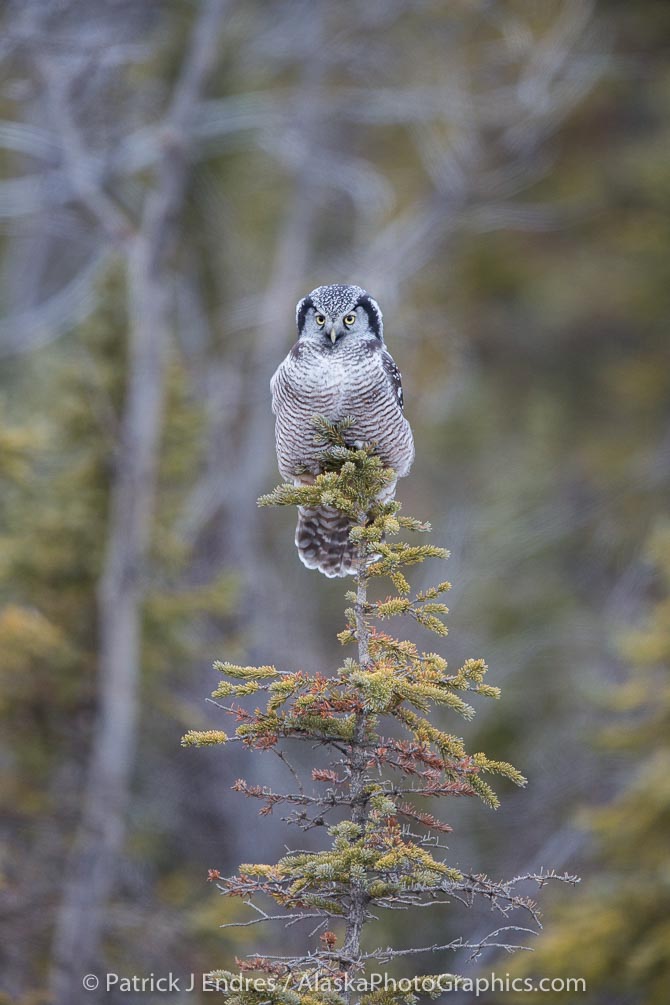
column 93, row 862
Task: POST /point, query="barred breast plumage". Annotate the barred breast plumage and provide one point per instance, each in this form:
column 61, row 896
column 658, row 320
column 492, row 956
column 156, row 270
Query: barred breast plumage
column 339, row 367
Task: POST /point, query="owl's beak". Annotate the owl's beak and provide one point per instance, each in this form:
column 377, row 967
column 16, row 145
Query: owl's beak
column 333, row 336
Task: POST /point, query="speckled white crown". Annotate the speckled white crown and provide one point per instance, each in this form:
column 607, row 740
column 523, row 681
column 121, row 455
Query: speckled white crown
column 336, row 299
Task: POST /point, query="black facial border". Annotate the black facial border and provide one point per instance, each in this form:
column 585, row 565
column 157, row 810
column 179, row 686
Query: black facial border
column 366, row 303
column 305, row 304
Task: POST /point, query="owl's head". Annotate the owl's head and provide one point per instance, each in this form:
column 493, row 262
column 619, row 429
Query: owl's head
column 330, row 313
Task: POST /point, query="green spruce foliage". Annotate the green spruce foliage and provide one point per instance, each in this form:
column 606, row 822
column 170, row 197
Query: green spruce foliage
column 370, row 796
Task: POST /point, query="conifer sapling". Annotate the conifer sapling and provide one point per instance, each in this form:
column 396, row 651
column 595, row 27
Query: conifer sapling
column 385, row 851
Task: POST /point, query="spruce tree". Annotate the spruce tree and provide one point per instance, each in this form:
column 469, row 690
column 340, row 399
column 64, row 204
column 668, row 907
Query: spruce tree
column 385, row 848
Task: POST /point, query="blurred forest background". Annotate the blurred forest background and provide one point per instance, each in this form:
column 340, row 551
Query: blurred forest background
column 173, row 177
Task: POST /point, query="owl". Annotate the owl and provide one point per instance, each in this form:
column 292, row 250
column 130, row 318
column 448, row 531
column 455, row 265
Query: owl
column 338, row 368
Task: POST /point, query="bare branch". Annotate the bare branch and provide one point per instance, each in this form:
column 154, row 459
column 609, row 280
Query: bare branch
column 384, row 955
column 77, row 163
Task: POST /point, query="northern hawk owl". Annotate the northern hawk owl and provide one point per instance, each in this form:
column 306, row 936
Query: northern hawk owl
column 338, row 368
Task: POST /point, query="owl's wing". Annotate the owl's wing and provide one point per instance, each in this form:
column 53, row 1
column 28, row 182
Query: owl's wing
column 393, row 375
column 273, row 388
column 276, row 381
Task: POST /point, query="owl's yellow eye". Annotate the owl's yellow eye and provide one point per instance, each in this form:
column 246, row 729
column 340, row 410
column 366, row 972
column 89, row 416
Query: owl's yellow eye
column 320, row 320
column 350, row 319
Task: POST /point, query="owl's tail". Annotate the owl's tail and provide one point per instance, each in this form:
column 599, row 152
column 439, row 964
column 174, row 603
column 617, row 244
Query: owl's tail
column 322, row 540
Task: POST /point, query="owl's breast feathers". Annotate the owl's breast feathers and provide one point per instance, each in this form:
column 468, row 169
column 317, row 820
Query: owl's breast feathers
column 356, row 379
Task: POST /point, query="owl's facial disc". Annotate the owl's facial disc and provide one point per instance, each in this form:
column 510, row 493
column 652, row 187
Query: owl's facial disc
column 329, row 313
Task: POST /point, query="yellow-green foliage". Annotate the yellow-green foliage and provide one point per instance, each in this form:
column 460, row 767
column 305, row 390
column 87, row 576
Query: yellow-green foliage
column 245, row 673
column 203, row 738
column 399, row 675
column 618, row 936
column 384, row 867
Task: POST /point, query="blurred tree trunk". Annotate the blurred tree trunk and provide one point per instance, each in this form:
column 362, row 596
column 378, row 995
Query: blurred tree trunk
column 92, row 866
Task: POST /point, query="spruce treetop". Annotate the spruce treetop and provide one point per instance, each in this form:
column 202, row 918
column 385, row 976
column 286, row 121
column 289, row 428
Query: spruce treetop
column 385, row 851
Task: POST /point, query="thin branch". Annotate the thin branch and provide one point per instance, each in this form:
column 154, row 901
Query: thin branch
column 384, row 955
column 291, row 918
